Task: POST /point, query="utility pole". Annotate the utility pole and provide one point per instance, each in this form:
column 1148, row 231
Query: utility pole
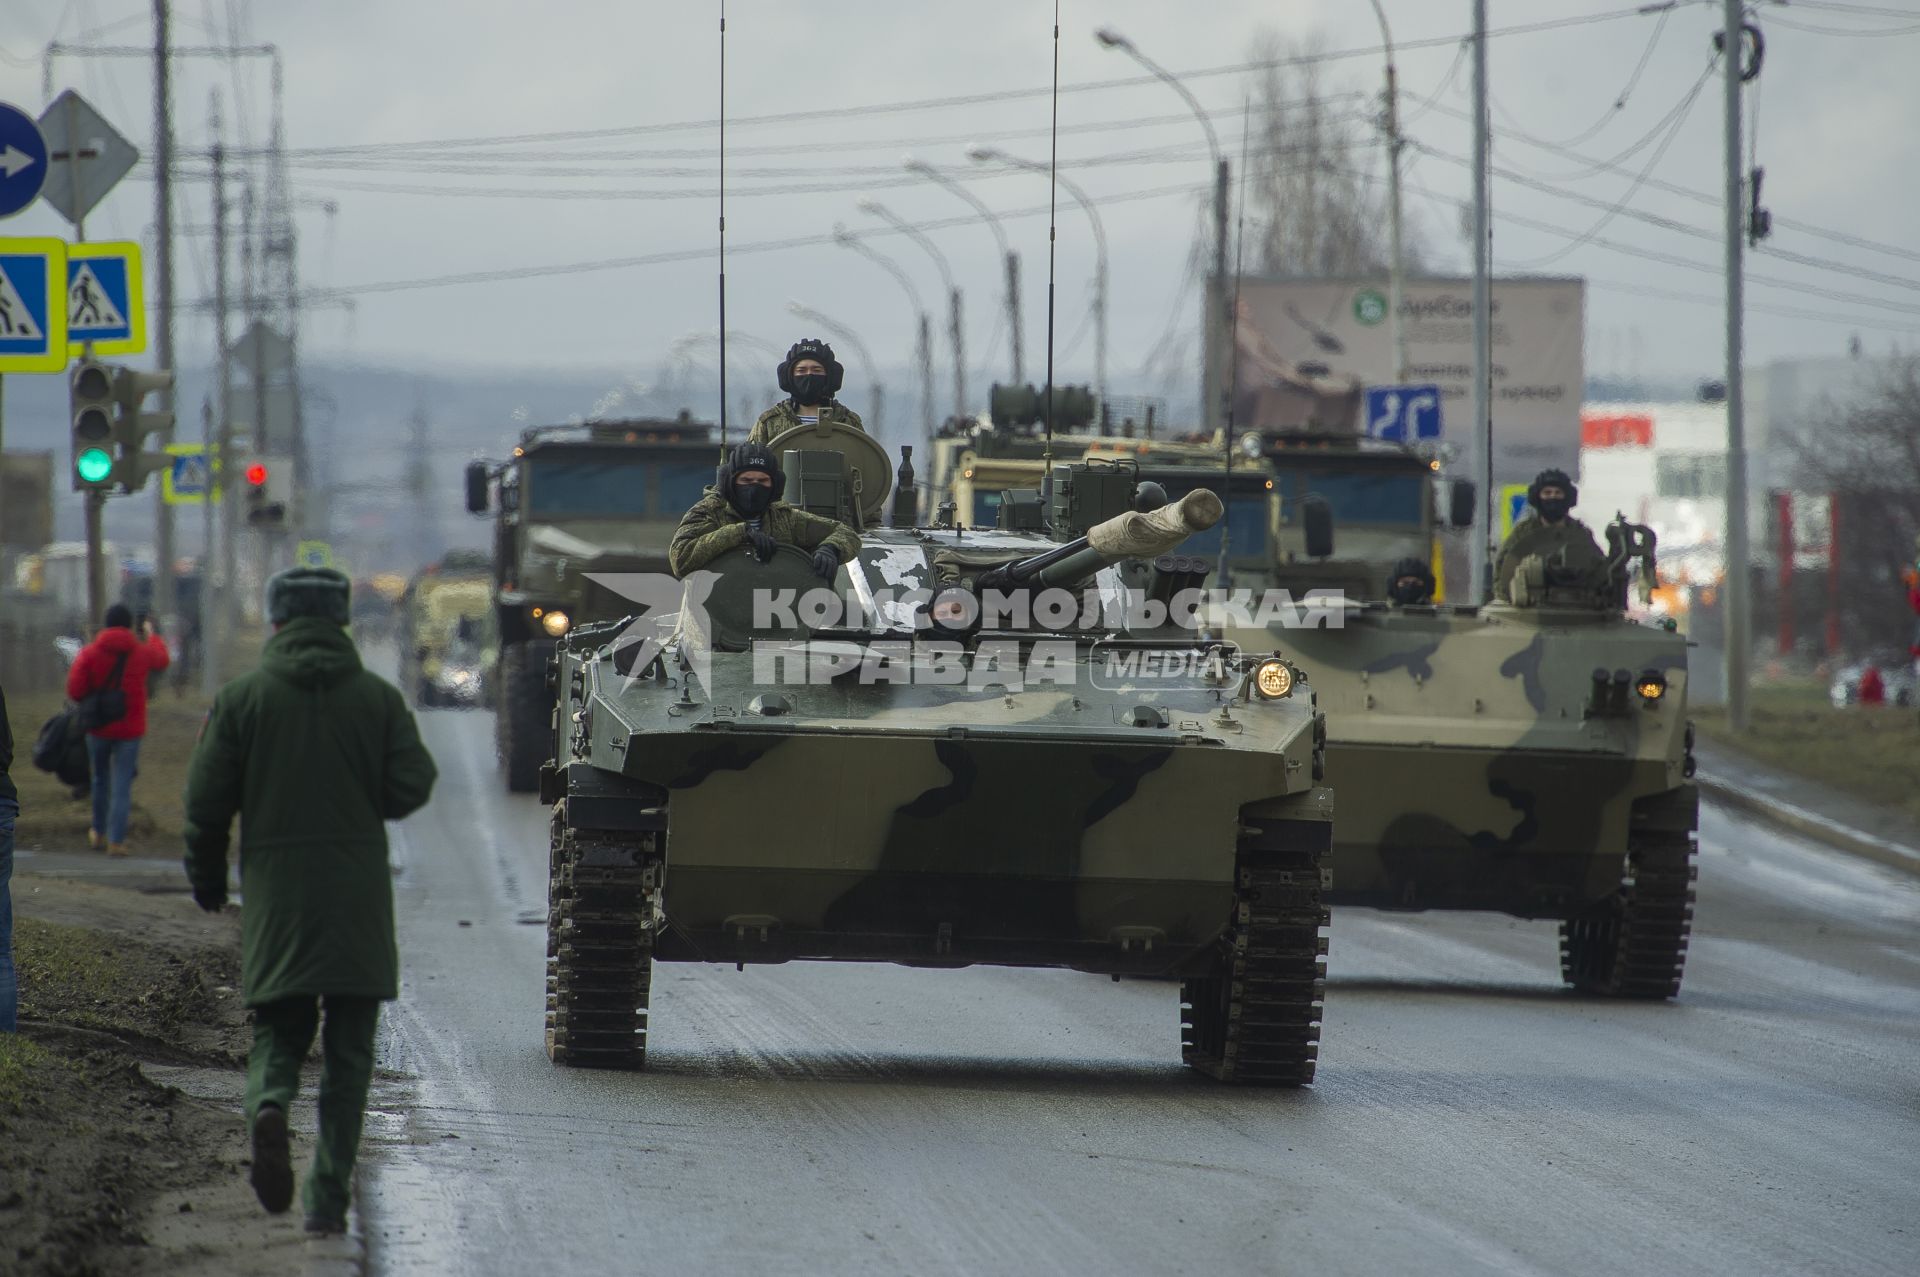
column 1480, row 551
column 1396, row 285
column 1736, row 585
column 163, row 236
column 216, row 622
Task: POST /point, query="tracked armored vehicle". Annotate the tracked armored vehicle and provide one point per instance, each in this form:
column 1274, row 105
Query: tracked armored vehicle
column 1532, row 758
column 573, row 501
column 951, row 787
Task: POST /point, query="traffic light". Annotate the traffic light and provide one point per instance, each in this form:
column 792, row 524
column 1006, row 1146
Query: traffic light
column 268, row 489
column 90, row 400
column 110, row 430
column 131, row 426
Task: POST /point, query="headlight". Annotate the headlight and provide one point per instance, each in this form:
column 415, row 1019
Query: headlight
column 1651, row 685
column 1273, row 678
column 555, row 623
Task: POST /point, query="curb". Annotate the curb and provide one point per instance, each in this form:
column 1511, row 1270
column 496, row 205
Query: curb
column 1810, row 824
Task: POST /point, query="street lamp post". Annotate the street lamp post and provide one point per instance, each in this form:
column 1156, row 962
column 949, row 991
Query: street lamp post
column 1215, row 391
column 839, row 331
column 924, row 344
column 984, row 154
column 1011, row 258
column 1396, row 285
column 955, row 332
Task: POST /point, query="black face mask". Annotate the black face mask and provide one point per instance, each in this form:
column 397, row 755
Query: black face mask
column 810, row 388
column 752, row 499
column 1553, row 509
column 1408, row 590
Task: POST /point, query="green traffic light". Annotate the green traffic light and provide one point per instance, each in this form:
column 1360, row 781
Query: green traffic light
column 93, row 465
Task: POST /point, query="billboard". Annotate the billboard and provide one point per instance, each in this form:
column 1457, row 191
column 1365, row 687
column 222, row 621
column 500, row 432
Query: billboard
column 1311, row 347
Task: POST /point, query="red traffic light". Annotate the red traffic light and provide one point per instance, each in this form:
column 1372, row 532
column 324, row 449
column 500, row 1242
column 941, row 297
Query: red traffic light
column 257, row 475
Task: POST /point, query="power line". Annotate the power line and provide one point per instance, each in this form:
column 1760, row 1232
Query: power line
column 956, row 100
column 1653, row 161
column 1620, row 99
column 682, row 255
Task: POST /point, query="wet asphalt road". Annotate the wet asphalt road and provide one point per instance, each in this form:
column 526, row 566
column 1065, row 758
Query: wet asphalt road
column 1470, row 1116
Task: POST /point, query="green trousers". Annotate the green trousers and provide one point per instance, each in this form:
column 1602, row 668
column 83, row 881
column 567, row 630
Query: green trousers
column 282, row 1035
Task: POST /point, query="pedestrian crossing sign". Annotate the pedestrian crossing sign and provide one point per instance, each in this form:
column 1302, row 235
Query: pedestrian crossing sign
column 105, row 301
column 1513, row 504
column 33, row 318
column 189, row 474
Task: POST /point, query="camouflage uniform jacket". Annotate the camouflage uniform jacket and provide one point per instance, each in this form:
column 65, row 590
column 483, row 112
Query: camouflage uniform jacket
column 1567, row 545
column 783, row 417
column 713, row 527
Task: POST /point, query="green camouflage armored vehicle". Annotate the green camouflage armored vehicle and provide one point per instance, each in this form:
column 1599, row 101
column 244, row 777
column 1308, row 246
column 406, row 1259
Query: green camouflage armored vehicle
column 573, row 501
column 955, row 784
column 1532, row 758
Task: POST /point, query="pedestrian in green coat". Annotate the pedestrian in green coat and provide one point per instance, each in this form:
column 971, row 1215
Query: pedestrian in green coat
column 313, row 753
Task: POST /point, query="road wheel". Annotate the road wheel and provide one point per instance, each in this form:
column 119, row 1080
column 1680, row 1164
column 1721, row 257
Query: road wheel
column 1254, row 1019
column 601, row 896
column 1634, row 943
column 523, row 724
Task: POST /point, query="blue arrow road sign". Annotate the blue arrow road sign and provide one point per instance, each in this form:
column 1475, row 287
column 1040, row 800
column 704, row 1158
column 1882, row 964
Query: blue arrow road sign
column 23, row 160
column 1403, row 413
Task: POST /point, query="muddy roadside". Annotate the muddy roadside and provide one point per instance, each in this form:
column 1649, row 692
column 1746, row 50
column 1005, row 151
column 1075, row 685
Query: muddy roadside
column 122, row 1148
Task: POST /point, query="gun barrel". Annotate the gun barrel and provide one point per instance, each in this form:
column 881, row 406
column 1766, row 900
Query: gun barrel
column 1133, row 535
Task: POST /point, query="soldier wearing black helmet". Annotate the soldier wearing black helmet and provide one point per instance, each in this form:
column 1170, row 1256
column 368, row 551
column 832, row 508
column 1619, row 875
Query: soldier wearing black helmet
column 1411, row 582
column 1548, row 532
column 743, row 507
column 811, row 376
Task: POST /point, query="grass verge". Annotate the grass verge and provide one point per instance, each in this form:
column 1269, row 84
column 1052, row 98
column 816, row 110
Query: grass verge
column 1870, row 752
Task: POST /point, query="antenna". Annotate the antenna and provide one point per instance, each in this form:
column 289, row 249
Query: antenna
column 1233, row 335
column 723, row 229
column 1053, row 203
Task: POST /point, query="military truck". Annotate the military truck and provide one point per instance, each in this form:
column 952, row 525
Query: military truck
column 447, row 637
column 1532, row 758
column 574, row 501
column 939, row 802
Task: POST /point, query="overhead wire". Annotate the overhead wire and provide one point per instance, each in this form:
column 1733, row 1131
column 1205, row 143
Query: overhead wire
column 1653, row 161
column 1620, row 99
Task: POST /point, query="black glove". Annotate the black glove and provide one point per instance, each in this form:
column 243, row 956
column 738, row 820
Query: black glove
column 826, row 561
column 212, row 900
column 762, row 544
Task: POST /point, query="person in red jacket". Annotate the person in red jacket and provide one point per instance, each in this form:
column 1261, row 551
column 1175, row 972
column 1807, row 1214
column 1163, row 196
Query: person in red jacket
column 114, row 750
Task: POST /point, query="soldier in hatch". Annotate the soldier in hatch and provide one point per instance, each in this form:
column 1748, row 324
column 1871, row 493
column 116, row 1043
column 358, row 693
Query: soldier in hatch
column 811, row 376
column 1548, row 532
column 744, row 508
column 1411, row 582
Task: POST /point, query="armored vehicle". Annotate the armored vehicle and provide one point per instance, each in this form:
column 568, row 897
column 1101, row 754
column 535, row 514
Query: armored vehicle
column 950, row 782
column 1531, row 757
column 447, row 643
column 574, row 501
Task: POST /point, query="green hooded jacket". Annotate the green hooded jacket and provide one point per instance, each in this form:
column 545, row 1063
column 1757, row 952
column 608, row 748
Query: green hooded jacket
column 313, row 753
column 783, row 417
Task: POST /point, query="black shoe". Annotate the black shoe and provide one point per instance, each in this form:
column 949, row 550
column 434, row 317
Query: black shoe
column 272, row 1163
column 326, row 1225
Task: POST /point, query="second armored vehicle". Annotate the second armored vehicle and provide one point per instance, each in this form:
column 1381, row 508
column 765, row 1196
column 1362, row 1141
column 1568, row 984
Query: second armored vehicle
column 574, row 501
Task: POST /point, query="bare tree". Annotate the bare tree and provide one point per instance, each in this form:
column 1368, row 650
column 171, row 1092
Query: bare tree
column 1317, row 192
column 1865, row 456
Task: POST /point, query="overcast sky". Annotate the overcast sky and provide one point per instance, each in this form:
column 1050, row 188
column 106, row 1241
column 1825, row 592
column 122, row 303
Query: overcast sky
column 1835, row 110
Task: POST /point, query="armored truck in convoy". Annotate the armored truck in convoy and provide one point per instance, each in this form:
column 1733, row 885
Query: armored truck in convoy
column 958, row 772
column 572, row 502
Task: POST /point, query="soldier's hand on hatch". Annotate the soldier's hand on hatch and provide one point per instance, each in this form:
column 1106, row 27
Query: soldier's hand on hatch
column 826, row 561
column 763, row 545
